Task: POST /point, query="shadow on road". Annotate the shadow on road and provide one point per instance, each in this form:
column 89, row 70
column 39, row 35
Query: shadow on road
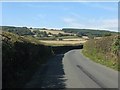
column 51, row 75
column 54, row 77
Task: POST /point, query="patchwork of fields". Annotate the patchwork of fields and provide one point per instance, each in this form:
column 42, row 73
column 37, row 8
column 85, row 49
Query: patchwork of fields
column 70, row 39
column 56, row 32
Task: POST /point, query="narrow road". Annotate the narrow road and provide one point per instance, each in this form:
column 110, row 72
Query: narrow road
column 74, row 70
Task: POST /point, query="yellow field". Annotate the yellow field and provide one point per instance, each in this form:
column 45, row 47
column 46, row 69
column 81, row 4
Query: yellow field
column 74, row 39
column 55, row 31
column 52, row 42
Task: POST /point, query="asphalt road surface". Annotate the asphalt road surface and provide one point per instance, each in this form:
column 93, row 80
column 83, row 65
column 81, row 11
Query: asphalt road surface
column 73, row 70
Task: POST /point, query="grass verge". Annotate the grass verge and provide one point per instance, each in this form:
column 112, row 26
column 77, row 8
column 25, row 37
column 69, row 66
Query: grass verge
column 105, row 51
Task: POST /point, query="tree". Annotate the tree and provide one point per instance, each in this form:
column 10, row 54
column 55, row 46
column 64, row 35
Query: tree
column 107, row 34
column 49, row 33
column 79, row 34
column 91, row 36
column 45, row 34
column 30, row 27
column 60, row 39
column 60, row 34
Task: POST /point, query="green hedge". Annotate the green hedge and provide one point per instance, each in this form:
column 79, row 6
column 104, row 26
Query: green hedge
column 105, row 51
column 20, row 58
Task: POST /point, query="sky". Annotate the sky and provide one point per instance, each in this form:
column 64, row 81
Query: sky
column 92, row 15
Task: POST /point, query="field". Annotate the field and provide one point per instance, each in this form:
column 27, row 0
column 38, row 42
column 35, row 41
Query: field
column 55, row 32
column 74, row 39
column 63, row 42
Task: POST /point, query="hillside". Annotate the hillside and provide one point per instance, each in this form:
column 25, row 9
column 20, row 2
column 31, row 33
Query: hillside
column 17, row 30
column 88, row 32
column 105, row 51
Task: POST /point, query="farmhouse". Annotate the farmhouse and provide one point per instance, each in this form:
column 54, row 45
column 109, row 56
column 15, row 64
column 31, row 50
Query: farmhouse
column 85, row 37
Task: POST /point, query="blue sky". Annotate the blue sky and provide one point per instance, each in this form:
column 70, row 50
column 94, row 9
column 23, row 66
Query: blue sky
column 98, row 15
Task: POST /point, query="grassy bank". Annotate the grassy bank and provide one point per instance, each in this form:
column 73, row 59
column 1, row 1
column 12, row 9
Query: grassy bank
column 105, row 51
column 20, row 58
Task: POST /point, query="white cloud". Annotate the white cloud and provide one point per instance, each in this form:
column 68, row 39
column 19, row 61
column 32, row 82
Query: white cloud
column 108, row 24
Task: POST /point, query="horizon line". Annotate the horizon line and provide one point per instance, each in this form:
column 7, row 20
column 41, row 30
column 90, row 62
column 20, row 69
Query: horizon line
column 62, row 28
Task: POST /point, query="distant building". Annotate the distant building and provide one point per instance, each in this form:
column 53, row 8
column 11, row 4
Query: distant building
column 85, row 37
column 35, row 35
column 97, row 37
column 50, row 35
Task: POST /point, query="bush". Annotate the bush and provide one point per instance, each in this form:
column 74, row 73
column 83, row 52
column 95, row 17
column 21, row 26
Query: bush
column 105, row 51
